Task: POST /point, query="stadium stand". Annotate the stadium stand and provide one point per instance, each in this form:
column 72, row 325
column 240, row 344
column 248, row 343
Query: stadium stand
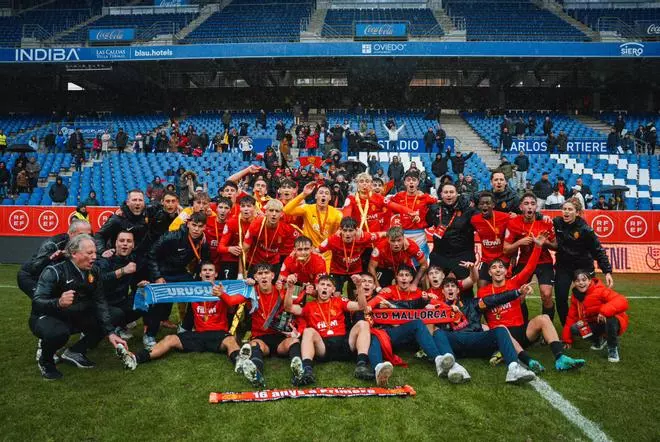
column 633, row 121
column 628, row 15
column 512, row 20
column 274, row 21
column 341, row 22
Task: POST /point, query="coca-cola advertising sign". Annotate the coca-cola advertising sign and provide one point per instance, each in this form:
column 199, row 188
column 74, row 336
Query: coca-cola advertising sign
column 110, row 35
column 380, row 31
column 653, row 29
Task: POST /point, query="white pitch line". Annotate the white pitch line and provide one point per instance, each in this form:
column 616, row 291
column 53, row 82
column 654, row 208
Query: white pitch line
column 572, row 413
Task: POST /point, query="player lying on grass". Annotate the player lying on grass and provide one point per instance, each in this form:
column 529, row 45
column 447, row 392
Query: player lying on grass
column 510, row 315
column 209, row 335
column 325, row 336
column 596, row 311
column 438, row 350
column 272, row 331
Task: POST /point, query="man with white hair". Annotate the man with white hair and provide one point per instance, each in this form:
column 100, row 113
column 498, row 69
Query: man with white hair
column 69, row 299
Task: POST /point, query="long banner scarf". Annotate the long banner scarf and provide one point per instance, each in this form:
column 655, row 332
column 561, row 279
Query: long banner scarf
column 340, row 392
column 398, row 316
column 194, row 291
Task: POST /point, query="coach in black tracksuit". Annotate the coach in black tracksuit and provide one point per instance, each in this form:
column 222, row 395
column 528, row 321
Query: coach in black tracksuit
column 48, row 253
column 69, row 299
column 577, row 248
column 175, row 257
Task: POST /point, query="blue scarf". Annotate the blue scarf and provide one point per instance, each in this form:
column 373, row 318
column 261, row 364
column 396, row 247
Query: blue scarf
column 195, row 291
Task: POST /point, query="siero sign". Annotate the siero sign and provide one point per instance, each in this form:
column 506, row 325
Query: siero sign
column 112, row 35
column 582, row 146
column 381, row 31
column 631, row 49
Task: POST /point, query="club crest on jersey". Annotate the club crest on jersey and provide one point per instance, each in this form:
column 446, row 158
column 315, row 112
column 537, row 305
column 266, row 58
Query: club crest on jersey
column 90, row 278
column 503, row 204
column 576, row 235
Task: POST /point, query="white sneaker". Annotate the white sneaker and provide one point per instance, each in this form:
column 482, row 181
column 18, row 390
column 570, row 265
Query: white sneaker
column 148, row 341
column 127, row 358
column 443, row 363
column 458, row 374
column 517, row 374
column 244, row 355
column 383, row 373
column 297, row 367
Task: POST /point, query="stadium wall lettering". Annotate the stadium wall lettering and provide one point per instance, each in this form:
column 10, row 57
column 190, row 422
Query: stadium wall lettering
column 334, row 49
column 533, row 145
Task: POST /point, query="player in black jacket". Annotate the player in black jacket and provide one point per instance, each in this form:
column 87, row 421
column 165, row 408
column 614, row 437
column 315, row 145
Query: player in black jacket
column 48, row 253
column 133, row 219
column 577, row 248
column 175, row 257
column 506, row 199
column 69, row 299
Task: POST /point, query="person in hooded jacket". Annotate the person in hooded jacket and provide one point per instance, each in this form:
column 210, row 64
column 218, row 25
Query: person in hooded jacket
column 597, row 313
column 58, row 192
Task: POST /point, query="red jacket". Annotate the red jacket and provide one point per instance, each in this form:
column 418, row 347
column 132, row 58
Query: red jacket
column 598, row 299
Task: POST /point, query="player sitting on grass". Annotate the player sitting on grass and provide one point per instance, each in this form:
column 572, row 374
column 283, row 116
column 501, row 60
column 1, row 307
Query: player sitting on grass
column 272, row 332
column 510, row 315
column 325, row 336
column 210, row 331
column 596, row 311
column 439, row 350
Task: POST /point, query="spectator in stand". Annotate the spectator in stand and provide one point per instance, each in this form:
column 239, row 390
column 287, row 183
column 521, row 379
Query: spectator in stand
column 395, row 172
column 60, row 141
column 505, row 141
column 91, row 200
column 33, row 168
column 531, row 126
column 5, row 179
column 34, row 143
column 22, row 182
column 96, row 146
column 312, row 142
column 245, row 146
column 261, row 120
column 49, row 141
column 149, row 142
column 561, row 185
column 551, row 142
column 575, row 193
column 640, row 140
column 121, row 140
column 521, row 163
column 458, row 162
column 374, row 164
column 162, row 143
column 138, row 143
column 371, row 136
column 440, row 138
column 612, row 141
column 363, row 128
column 393, row 132
column 547, row 126
column 520, row 128
column 555, row 200
column 226, row 119
column 58, row 192
column 429, row 140
column 204, row 140
column 651, row 138
column 280, row 130
column 155, row 190
column 601, row 204
column 380, row 174
column 106, row 140
column 425, row 183
column 19, row 166
column 506, row 124
column 439, row 167
column 507, row 169
column 470, row 188
column 562, row 142
column 628, row 143
column 3, row 142
column 585, row 191
column 242, row 129
column 619, row 125
column 337, row 136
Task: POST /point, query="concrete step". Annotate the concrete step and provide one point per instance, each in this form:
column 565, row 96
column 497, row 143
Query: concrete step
column 558, row 10
column 204, row 14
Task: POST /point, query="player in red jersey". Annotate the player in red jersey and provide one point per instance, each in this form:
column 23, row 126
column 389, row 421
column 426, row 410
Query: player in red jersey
column 519, row 242
column 491, row 227
column 231, row 242
column 231, row 190
column 213, row 232
column 437, row 350
column 265, row 237
column 210, row 329
column 510, row 315
column 304, row 263
column 391, row 253
column 286, row 192
column 260, row 193
column 417, row 203
column 272, row 331
column 369, row 207
column 347, row 247
column 325, row 336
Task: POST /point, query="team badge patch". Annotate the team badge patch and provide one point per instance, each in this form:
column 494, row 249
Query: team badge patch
column 90, row 278
column 576, row 235
column 503, row 205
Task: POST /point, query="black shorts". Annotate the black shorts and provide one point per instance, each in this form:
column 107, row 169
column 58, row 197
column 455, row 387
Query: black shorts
column 337, row 349
column 272, row 341
column 545, row 273
column 483, row 272
column 201, row 342
column 520, row 334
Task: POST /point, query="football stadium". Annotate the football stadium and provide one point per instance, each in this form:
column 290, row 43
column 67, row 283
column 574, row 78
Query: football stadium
column 330, row 219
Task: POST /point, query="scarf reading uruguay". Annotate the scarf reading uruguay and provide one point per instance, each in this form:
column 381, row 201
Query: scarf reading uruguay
column 194, row 291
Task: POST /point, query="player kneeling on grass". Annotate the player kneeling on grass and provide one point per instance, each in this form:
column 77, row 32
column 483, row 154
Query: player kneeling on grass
column 325, row 334
column 510, row 315
column 596, row 311
column 210, row 333
column 272, row 331
column 438, row 350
